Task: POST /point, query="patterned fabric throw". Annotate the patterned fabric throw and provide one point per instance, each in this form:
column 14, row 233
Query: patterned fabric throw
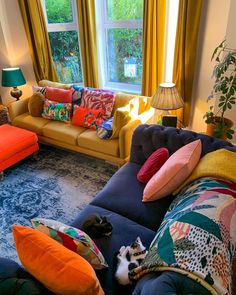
column 72, row 238
column 197, row 236
column 53, row 110
column 98, row 99
column 104, row 131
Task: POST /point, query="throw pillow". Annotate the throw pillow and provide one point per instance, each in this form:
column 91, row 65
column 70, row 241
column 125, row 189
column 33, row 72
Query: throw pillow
column 95, row 99
column 59, row 95
column 53, row 110
column 77, row 94
column 174, row 172
column 39, row 89
column 152, row 164
column 35, row 104
column 220, row 164
column 59, row 269
column 87, row 117
column 72, row 238
column 121, row 118
column 104, row 131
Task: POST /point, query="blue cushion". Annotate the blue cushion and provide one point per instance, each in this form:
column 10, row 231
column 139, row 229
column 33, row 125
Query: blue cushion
column 123, row 195
column 104, row 131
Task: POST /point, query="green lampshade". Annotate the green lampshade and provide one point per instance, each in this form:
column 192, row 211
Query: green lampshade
column 12, row 77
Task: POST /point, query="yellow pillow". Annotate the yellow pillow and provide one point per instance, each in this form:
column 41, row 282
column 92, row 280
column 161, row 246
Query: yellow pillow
column 121, row 118
column 220, row 164
column 35, row 104
column 62, row 271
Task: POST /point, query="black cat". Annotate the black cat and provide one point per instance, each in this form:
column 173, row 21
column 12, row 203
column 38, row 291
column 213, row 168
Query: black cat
column 97, row 226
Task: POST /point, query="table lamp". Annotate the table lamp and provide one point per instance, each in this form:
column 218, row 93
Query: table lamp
column 167, row 98
column 13, row 77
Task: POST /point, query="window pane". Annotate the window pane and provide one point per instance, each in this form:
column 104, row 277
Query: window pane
column 125, row 55
column 59, row 11
column 124, row 9
column 66, row 57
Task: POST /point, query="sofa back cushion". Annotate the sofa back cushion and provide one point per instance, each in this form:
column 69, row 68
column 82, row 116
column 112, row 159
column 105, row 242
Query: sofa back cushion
column 44, row 83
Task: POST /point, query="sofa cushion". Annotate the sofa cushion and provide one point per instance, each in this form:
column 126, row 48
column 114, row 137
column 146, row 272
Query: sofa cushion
column 89, row 139
column 59, row 269
column 35, row 104
column 125, row 187
column 59, row 95
column 174, row 172
column 152, row 164
column 88, row 118
column 72, row 238
column 98, row 99
column 124, row 232
column 57, row 111
column 26, row 121
column 62, row 132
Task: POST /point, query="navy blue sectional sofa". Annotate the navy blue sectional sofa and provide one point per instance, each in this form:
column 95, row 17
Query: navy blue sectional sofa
column 121, row 199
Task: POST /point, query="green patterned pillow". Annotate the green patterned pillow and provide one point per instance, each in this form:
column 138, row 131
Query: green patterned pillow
column 72, row 238
column 58, row 111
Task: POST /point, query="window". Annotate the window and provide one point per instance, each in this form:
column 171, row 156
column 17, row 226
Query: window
column 61, row 18
column 121, row 43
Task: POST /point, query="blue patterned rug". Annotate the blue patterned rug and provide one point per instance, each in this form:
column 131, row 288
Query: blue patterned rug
column 56, row 184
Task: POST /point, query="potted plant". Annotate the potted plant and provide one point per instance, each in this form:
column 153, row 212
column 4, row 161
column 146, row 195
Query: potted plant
column 224, row 90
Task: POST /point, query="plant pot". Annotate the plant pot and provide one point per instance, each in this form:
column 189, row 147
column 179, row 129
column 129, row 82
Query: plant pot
column 211, row 128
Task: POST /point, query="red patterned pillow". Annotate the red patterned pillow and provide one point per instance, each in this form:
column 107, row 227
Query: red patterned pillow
column 98, row 99
column 59, row 95
column 152, row 164
column 88, row 118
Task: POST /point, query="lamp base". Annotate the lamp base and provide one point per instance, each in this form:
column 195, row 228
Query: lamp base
column 16, row 93
column 169, row 120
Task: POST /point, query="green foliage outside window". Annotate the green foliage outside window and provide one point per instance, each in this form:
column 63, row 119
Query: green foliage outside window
column 59, row 11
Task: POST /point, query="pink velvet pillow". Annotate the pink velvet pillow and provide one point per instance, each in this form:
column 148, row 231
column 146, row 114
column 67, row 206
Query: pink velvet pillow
column 174, row 172
column 152, row 164
column 59, row 95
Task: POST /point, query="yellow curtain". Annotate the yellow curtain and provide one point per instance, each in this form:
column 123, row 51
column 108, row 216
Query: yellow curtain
column 185, row 52
column 154, row 25
column 88, row 42
column 37, row 35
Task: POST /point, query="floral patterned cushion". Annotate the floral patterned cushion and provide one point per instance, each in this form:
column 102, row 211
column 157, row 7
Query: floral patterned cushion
column 72, row 238
column 98, row 99
column 58, row 111
column 87, row 117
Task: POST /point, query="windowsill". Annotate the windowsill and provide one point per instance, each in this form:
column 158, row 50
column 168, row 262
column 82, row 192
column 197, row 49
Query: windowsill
column 123, row 87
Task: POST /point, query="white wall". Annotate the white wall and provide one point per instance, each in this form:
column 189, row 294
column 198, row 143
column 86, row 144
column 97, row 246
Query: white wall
column 14, row 50
column 213, row 29
column 218, row 22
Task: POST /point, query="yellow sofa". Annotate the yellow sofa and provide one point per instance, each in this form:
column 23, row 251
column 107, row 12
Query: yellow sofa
column 80, row 139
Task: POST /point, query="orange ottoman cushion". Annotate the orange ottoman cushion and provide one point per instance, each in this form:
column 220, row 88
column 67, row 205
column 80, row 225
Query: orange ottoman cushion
column 15, row 144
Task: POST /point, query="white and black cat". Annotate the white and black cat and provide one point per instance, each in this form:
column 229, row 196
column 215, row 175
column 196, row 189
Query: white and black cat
column 97, row 226
column 128, row 258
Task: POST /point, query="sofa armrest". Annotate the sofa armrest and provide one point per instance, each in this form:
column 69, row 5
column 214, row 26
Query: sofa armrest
column 18, row 107
column 126, row 132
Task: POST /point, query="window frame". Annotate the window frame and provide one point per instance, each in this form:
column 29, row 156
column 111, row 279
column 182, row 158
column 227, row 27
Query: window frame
column 103, row 24
column 65, row 27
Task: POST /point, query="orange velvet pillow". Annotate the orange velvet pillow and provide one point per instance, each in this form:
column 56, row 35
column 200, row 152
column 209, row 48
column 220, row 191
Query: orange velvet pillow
column 59, row 269
column 59, row 95
column 88, row 118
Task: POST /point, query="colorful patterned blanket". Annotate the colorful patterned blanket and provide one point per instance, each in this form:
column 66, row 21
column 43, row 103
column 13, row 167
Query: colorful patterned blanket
column 197, row 236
